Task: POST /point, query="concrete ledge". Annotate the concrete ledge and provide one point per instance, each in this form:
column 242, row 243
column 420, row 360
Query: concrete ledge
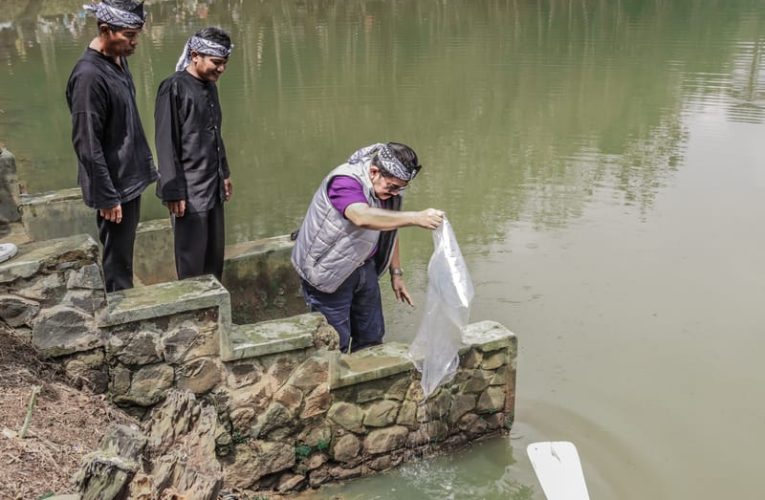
column 46, row 198
column 258, row 273
column 373, row 363
column 250, row 249
column 154, row 260
column 392, row 358
column 61, row 213
column 488, row 336
column 271, row 337
column 261, row 280
column 165, row 299
column 13, row 233
column 35, row 256
column 57, row 213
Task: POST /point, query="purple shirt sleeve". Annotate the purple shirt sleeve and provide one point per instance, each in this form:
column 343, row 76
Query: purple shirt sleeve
column 343, row 191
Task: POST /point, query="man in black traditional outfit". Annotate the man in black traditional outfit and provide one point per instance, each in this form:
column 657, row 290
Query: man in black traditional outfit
column 115, row 162
column 194, row 174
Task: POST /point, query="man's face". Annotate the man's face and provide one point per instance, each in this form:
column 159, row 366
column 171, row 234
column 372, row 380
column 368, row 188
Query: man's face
column 208, row 68
column 385, row 187
column 122, row 43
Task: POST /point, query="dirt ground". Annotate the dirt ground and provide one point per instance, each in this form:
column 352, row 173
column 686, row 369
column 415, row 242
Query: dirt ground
column 66, row 424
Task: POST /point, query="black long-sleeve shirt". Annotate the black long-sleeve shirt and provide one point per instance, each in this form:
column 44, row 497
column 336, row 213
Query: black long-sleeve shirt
column 115, row 162
column 190, row 150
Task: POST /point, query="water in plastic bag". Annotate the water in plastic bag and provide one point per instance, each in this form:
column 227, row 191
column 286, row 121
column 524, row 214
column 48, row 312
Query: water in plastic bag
column 435, row 350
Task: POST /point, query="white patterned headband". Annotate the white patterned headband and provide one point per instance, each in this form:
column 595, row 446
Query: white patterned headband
column 388, row 161
column 116, row 17
column 201, row 46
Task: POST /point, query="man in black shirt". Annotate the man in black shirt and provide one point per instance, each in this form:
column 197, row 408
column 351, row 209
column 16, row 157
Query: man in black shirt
column 115, row 162
column 194, row 174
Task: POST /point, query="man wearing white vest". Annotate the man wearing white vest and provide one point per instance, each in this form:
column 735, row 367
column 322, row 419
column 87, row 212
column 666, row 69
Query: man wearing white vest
column 348, row 240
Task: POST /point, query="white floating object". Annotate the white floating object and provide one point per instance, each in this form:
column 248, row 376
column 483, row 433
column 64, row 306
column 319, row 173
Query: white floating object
column 7, row 250
column 559, row 470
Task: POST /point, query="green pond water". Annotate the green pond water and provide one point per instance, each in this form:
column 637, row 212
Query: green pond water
column 603, row 166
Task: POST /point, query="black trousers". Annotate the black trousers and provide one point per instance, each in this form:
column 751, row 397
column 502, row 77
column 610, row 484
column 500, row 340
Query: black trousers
column 118, row 241
column 200, row 240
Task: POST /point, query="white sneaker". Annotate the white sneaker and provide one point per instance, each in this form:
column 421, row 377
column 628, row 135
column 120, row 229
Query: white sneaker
column 7, row 250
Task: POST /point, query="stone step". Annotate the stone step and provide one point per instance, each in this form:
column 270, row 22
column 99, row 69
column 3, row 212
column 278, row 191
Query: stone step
column 262, row 281
column 392, row 358
column 34, row 256
column 165, row 299
column 275, row 336
column 487, row 336
column 258, row 273
column 249, row 249
column 56, row 214
column 373, row 363
column 13, row 233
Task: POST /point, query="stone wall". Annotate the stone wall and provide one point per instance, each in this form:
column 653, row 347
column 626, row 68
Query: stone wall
column 265, row 406
column 9, row 192
column 374, row 425
column 57, row 214
column 305, row 416
column 262, row 281
column 258, row 273
column 51, row 292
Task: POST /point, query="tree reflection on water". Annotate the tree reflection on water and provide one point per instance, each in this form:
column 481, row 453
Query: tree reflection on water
column 519, row 110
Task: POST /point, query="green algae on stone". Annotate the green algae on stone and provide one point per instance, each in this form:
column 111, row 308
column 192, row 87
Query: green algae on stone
column 373, row 363
column 275, row 336
column 43, row 255
column 487, row 336
column 166, row 299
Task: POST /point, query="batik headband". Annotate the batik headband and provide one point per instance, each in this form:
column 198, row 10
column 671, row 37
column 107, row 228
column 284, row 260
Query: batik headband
column 116, row 17
column 387, row 160
column 201, row 46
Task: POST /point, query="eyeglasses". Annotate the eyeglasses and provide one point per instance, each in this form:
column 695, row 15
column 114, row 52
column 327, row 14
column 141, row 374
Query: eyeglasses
column 393, row 188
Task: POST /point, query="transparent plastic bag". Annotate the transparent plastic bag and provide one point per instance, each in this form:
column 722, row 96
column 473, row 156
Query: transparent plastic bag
column 435, row 350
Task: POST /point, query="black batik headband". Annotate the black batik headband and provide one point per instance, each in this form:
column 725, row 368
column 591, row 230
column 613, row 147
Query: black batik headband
column 117, row 17
column 387, row 160
column 201, row 46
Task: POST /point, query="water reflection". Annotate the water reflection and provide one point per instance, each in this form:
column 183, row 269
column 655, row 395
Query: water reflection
column 520, row 110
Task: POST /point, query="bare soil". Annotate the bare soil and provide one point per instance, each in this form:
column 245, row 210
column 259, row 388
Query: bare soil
column 66, row 423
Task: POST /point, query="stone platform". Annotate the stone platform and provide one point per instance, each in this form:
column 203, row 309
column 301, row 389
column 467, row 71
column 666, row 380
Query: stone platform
column 257, row 394
column 290, row 410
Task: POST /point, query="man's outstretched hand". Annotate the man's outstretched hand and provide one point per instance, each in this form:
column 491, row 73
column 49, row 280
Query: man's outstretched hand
column 430, row 218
